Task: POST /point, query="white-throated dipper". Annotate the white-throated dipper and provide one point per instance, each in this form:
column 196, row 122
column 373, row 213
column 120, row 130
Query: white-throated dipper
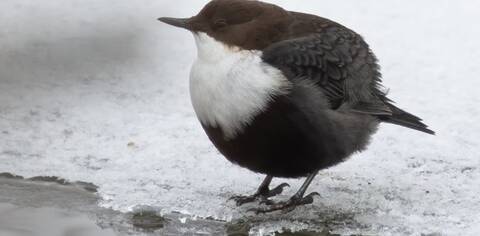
column 284, row 93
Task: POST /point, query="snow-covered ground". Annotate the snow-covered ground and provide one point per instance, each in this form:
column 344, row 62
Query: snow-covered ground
column 98, row 91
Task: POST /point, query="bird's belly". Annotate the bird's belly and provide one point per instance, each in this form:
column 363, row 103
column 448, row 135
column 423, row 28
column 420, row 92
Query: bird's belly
column 278, row 144
column 284, row 140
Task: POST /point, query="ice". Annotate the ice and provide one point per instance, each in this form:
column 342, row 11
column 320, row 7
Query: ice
column 97, row 91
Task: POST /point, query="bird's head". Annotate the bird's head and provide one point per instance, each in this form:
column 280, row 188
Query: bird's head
column 244, row 23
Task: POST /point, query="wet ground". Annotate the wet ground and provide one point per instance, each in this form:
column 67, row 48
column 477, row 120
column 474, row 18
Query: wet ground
column 52, row 206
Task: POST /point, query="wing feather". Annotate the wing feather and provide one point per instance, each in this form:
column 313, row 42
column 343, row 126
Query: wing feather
column 339, row 62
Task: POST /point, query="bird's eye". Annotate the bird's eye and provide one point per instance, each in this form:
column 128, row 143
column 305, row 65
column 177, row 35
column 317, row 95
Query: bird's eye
column 219, row 23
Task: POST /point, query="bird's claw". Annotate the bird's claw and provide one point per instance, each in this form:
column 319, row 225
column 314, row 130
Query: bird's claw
column 277, row 190
column 262, row 196
column 287, row 206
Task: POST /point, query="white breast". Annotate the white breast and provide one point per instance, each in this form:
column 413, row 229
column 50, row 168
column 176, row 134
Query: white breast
column 229, row 86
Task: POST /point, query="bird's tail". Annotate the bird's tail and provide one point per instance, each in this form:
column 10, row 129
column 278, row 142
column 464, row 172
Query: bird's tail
column 405, row 119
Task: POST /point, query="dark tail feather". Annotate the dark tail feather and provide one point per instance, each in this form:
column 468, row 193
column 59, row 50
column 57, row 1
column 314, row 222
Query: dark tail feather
column 405, row 119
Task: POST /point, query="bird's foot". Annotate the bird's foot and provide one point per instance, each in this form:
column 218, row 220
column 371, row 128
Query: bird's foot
column 260, row 195
column 287, row 206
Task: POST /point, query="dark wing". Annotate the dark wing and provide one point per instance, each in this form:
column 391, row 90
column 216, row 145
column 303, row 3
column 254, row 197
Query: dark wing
column 339, row 62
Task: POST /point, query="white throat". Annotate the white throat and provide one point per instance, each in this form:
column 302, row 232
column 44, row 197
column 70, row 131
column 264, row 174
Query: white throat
column 230, row 86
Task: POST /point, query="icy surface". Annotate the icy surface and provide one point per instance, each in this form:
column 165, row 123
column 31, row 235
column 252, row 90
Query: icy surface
column 98, row 91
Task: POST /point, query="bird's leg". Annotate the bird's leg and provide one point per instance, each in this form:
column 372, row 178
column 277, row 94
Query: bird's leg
column 296, row 200
column 263, row 192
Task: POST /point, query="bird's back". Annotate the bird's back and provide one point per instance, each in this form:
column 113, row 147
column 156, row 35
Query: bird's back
column 336, row 58
column 340, row 63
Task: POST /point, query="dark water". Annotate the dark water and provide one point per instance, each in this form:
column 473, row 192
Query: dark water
column 50, row 206
column 25, row 221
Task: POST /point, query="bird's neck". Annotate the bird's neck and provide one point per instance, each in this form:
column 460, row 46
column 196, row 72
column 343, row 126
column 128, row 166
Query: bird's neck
column 209, row 49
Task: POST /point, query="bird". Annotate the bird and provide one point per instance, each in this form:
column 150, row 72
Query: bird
column 284, row 94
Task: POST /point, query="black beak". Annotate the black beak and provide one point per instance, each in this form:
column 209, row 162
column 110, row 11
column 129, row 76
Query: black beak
column 177, row 22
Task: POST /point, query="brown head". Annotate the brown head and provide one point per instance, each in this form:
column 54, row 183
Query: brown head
column 247, row 24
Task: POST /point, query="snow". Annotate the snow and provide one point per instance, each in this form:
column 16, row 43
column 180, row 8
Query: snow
column 98, row 91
